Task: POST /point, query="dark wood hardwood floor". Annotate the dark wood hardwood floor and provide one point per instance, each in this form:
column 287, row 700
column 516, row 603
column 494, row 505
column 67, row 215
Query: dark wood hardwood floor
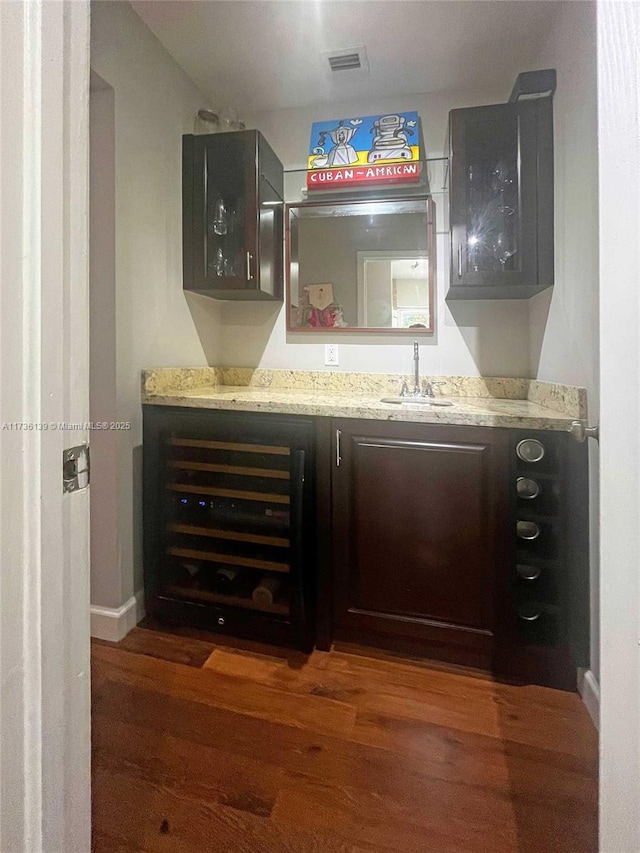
column 202, row 746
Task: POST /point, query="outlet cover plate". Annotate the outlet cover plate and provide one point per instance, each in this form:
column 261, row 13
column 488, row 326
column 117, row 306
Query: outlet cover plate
column 331, row 355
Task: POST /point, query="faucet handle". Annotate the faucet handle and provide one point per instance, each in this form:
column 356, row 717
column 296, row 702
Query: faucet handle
column 431, row 385
column 404, row 389
column 427, row 388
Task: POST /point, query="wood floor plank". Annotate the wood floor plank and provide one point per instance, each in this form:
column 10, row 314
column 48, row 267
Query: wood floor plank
column 185, row 650
column 462, row 702
column 541, row 716
column 297, row 751
column 158, row 820
column 446, row 751
column 268, row 750
column 101, row 843
column 316, row 713
column 207, row 774
column 455, row 819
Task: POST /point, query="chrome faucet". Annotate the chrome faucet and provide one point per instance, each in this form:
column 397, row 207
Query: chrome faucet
column 424, row 389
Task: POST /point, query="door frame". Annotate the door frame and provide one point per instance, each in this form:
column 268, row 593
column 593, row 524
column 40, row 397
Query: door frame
column 44, row 573
column 618, row 59
column 44, row 636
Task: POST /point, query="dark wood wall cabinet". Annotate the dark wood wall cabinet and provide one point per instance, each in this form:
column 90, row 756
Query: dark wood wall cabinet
column 463, row 544
column 232, row 216
column 501, row 197
column 228, row 522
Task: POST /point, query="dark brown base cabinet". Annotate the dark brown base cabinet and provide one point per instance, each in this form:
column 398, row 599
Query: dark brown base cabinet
column 228, row 516
column 431, row 540
column 419, row 554
column 428, row 552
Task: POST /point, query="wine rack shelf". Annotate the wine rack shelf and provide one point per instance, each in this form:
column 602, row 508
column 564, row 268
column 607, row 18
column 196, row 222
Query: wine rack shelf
column 229, row 559
column 229, row 600
column 274, row 450
column 238, row 470
column 229, row 493
column 233, row 535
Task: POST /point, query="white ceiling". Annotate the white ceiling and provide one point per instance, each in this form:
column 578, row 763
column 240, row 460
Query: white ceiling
column 267, row 54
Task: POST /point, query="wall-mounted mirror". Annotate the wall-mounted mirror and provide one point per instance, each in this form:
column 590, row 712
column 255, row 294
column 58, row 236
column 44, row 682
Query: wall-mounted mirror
column 361, row 266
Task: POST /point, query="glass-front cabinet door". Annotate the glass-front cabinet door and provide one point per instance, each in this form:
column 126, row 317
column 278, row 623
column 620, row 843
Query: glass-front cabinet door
column 232, row 216
column 229, row 186
column 501, row 196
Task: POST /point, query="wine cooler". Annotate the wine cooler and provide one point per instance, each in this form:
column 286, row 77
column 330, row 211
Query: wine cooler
column 228, row 522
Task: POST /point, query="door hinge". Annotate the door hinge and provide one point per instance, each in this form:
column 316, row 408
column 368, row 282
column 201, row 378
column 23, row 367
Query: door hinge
column 76, row 465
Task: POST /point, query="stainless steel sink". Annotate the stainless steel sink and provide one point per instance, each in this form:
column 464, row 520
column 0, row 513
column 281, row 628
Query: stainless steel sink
column 412, row 401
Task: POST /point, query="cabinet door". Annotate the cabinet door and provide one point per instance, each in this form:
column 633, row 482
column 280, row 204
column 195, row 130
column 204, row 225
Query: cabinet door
column 501, row 194
column 232, row 216
column 417, row 512
column 220, row 211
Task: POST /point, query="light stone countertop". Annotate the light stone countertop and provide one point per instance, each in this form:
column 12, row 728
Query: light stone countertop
column 468, row 411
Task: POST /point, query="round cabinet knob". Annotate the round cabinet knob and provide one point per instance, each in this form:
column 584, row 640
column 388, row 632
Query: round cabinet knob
column 529, row 612
column 528, row 573
column 530, row 450
column 220, row 620
column 527, row 488
column 528, row 530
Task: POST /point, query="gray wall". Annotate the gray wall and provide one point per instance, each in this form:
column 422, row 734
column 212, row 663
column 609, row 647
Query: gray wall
column 154, row 104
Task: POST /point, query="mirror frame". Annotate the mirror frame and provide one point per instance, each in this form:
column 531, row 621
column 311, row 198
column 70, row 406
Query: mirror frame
column 355, row 330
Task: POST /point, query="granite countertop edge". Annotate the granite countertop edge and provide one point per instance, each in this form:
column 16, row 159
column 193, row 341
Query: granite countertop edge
column 471, row 411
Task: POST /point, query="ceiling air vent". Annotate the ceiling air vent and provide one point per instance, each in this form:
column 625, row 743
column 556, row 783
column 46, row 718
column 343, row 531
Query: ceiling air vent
column 345, row 62
column 352, row 59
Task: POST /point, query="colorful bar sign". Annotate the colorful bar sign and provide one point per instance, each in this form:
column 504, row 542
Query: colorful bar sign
column 364, row 151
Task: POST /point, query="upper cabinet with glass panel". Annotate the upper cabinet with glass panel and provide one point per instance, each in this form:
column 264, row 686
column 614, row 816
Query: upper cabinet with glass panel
column 501, row 194
column 363, row 265
column 232, row 216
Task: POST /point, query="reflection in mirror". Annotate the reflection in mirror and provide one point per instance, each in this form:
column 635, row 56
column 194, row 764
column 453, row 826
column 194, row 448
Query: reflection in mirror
column 361, row 266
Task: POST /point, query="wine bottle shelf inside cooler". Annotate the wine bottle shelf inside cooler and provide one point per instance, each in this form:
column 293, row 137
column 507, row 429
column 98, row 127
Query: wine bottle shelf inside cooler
column 279, row 608
column 229, row 559
column 230, row 509
column 233, row 535
column 195, row 489
column 271, row 450
column 237, row 470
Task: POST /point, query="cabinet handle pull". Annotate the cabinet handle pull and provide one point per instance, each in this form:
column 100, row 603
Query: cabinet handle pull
column 460, row 261
column 338, row 456
column 249, row 275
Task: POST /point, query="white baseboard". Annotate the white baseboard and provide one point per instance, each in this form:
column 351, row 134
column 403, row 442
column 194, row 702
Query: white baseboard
column 589, row 689
column 114, row 623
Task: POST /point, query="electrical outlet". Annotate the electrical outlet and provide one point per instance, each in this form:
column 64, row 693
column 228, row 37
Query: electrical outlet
column 331, row 355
